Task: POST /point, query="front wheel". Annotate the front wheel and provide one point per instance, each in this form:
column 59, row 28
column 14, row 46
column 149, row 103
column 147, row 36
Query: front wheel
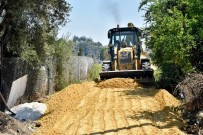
column 146, row 65
column 106, row 67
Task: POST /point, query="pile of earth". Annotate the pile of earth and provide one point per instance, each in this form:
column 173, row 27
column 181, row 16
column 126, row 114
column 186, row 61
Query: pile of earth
column 10, row 126
column 119, row 83
column 191, row 91
column 62, row 102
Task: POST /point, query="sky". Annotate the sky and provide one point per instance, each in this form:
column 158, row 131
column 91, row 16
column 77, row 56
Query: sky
column 93, row 18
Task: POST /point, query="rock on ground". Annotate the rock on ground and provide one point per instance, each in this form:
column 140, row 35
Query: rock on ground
column 10, row 126
column 29, row 111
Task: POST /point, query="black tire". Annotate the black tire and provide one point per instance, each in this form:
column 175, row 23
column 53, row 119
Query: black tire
column 106, row 67
column 146, row 65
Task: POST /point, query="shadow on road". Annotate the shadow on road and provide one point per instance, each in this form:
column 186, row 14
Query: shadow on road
column 119, row 129
column 142, row 92
column 167, row 118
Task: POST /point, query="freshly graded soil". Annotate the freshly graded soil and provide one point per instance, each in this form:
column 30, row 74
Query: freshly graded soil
column 112, row 107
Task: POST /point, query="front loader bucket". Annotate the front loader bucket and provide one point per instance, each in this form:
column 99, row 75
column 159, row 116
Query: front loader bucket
column 142, row 76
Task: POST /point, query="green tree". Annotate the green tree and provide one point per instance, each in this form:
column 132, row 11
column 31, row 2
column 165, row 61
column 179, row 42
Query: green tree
column 172, row 35
column 26, row 25
column 62, row 53
column 103, row 52
column 196, row 15
column 87, row 47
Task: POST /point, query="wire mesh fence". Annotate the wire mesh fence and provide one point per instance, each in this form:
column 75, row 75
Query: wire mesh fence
column 40, row 81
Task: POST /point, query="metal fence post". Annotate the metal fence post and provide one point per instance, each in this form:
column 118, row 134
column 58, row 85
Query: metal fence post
column 78, row 69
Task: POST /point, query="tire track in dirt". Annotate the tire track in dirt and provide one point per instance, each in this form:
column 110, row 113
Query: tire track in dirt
column 100, row 107
column 90, row 105
column 135, row 103
column 146, row 123
column 109, row 120
column 122, row 123
column 144, row 103
column 95, row 120
column 113, row 110
column 134, row 125
column 72, row 127
column 86, row 124
column 146, row 116
column 98, row 117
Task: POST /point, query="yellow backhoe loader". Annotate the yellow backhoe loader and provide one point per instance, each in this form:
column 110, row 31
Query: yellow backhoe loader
column 127, row 60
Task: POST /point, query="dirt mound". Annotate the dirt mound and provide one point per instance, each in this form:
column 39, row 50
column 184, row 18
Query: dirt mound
column 10, row 126
column 119, row 83
column 62, row 102
column 166, row 98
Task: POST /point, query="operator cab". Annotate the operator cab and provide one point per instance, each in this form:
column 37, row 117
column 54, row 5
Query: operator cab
column 122, row 38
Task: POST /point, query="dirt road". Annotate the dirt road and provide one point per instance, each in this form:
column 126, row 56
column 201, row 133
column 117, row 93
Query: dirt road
column 113, row 107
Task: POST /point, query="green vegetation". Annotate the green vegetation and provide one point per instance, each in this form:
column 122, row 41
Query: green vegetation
column 174, row 34
column 103, row 52
column 93, row 73
column 27, row 27
column 84, row 46
column 63, row 51
column 157, row 74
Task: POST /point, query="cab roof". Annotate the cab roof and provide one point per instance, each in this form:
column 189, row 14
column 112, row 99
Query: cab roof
column 124, row 29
